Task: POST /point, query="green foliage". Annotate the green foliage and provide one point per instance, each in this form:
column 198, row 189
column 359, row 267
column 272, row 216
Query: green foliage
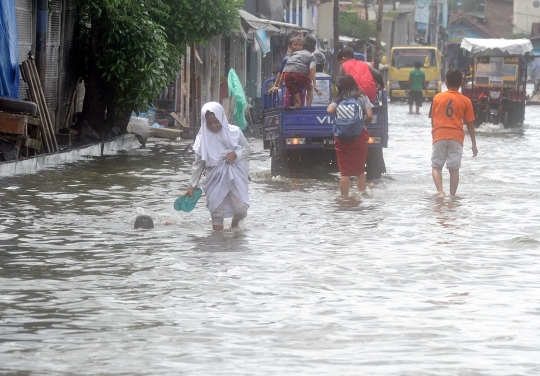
column 188, row 21
column 468, row 6
column 390, row 15
column 352, row 26
column 137, row 45
column 520, row 36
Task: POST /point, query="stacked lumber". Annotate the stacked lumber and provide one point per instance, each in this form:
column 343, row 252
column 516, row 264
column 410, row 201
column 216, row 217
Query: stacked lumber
column 37, row 95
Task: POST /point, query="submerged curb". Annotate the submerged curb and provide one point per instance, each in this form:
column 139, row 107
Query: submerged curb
column 43, row 161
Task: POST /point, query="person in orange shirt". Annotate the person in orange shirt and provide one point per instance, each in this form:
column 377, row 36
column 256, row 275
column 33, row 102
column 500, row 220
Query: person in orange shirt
column 449, row 110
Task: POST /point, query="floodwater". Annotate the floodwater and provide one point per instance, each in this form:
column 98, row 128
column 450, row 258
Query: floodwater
column 397, row 282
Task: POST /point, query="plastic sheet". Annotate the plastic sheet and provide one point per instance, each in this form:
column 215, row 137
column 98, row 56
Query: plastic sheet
column 9, row 51
column 496, row 46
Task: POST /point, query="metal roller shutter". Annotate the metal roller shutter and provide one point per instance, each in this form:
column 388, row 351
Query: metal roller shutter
column 67, row 79
column 53, row 49
column 27, row 32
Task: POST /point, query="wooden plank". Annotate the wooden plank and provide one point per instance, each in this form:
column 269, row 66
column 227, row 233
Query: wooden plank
column 33, row 144
column 172, row 134
column 34, row 73
column 534, row 99
column 12, row 123
column 32, row 120
column 25, row 71
column 179, row 120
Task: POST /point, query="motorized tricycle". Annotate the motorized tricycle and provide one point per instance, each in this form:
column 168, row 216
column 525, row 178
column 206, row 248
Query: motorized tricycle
column 497, row 80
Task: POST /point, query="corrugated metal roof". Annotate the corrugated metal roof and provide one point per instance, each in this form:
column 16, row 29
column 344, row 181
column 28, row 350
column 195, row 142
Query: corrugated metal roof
column 470, row 21
column 256, row 22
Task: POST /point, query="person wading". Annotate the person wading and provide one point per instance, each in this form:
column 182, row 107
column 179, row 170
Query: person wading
column 449, row 110
column 417, row 83
column 221, row 152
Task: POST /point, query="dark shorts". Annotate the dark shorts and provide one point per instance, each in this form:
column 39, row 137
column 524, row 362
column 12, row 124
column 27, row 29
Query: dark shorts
column 416, row 96
column 296, row 81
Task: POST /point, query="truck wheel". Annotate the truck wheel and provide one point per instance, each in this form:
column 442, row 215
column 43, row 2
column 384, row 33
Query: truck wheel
column 18, row 106
column 375, row 165
column 279, row 165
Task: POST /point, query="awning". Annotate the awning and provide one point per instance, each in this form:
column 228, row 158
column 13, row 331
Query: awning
column 345, row 39
column 250, row 21
column 288, row 27
column 256, row 23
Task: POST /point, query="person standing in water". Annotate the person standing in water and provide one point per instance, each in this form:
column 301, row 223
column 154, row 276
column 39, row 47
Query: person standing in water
column 221, row 152
column 352, row 154
column 449, row 110
column 417, row 83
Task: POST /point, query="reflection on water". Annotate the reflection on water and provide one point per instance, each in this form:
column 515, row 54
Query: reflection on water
column 395, row 281
column 445, row 210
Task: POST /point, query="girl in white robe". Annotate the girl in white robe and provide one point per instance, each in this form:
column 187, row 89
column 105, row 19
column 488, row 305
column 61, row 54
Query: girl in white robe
column 221, row 152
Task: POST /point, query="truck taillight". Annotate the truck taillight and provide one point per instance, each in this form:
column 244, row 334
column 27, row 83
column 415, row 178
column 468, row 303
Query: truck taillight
column 295, row 141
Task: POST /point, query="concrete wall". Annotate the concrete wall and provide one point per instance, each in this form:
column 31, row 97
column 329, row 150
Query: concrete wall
column 398, row 32
column 525, row 13
column 498, row 16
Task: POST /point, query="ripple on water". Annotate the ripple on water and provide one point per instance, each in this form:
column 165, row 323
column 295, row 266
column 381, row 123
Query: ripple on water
column 395, row 281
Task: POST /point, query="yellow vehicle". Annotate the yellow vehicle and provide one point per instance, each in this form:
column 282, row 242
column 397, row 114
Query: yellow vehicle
column 402, row 61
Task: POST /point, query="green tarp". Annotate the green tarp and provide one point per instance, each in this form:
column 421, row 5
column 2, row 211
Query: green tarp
column 237, row 91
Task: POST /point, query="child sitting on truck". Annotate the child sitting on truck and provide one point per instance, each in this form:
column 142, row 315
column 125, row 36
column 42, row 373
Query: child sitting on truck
column 299, row 72
column 352, row 154
column 295, row 45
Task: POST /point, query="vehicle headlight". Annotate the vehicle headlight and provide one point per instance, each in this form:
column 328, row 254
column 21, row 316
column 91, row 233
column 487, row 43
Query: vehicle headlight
column 494, row 94
column 433, row 85
column 394, row 85
column 295, row 141
column 374, row 140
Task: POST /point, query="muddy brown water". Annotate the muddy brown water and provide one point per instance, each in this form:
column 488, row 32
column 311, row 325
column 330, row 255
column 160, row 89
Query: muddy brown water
column 394, row 283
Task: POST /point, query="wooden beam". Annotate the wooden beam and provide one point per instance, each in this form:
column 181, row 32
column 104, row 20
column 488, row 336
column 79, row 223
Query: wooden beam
column 179, row 120
column 172, row 134
column 12, row 123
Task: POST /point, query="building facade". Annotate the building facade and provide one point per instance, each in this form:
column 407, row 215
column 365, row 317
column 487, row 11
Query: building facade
column 526, row 12
column 499, row 16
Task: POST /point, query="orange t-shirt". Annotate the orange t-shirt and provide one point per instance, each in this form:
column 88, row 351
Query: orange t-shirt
column 449, row 110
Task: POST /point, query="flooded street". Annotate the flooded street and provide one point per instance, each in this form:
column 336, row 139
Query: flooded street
column 394, row 283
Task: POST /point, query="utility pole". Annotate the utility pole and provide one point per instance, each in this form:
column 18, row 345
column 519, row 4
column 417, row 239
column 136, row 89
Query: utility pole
column 436, row 24
column 366, row 9
column 432, row 14
column 377, row 52
column 336, row 36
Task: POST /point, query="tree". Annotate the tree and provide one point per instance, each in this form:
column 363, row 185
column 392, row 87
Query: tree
column 469, row 6
column 129, row 50
column 352, row 26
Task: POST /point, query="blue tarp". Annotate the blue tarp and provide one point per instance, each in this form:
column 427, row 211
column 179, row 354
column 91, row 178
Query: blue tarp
column 9, row 51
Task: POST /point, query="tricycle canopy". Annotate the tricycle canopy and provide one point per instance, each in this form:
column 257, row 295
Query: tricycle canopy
column 496, row 47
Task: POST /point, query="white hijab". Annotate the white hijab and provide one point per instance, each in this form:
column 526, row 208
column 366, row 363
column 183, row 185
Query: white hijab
column 213, row 147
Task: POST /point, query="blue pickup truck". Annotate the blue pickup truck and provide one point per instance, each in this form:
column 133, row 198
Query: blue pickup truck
column 300, row 140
